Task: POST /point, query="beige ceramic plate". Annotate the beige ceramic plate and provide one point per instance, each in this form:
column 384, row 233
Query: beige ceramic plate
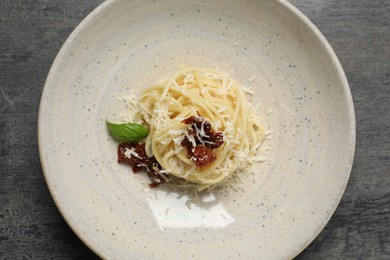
column 304, row 100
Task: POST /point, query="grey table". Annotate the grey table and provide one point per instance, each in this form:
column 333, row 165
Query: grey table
column 32, row 32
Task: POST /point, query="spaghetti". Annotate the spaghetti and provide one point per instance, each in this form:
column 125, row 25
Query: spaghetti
column 198, row 92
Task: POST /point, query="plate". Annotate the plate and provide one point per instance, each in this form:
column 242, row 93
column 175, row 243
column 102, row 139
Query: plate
column 304, row 101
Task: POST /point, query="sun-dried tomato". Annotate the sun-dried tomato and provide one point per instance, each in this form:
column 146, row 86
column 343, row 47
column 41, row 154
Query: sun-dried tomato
column 215, row 140
column 141, row 161
column 205, row 138
column 203, row 156
column 137, row 148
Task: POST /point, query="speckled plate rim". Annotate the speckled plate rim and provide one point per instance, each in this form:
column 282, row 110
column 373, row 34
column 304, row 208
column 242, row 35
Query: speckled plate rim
column 89, row 18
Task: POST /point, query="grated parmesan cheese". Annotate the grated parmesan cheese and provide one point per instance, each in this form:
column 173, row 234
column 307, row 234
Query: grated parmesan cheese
column 191, row 139
column 248, row 90
column 251, row 79
column 130, row 152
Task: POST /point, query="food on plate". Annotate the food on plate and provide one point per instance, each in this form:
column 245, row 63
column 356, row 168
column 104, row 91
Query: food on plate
column 196, row 125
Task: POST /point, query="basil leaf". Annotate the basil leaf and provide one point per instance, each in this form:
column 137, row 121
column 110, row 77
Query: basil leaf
column 127, row 132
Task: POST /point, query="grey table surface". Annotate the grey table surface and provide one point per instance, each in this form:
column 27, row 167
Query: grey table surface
column 32, row 32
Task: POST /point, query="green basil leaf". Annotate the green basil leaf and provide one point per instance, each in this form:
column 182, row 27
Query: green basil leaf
column 127, row 132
